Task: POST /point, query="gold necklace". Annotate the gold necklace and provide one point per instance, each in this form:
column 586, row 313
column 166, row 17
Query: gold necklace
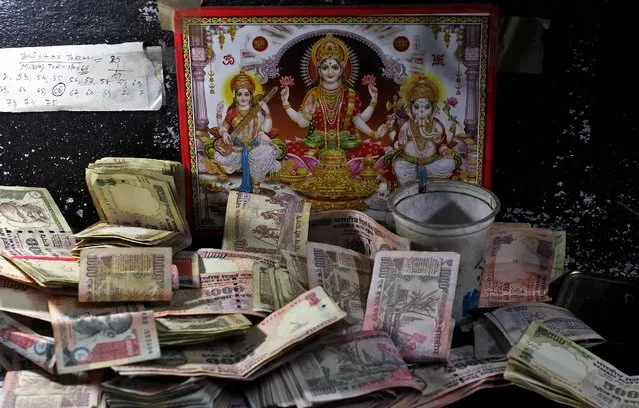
column 331, row 102
column 420, row 141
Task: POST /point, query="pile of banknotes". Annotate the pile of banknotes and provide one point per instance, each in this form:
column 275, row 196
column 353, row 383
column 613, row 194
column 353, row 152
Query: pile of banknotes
column 296, row 309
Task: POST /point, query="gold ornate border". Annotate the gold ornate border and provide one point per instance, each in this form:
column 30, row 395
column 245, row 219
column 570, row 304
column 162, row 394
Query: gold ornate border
column 440, row 20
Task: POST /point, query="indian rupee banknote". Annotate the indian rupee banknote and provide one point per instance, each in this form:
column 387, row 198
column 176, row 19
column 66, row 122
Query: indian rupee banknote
column 18, row 298
column 31, row 388
column 125, row 274
column 354, row 230
column 548, row 363
column 24, row 341
column 90, row 337
column 517, row 266
column 512, row 321
column 345, row 275
column 411, row 297
column 262, row 224
column 305, row 316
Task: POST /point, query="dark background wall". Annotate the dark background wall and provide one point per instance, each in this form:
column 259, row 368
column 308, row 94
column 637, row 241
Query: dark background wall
column 563, row 144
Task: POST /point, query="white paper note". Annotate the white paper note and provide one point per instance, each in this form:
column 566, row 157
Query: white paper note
column 99, row 77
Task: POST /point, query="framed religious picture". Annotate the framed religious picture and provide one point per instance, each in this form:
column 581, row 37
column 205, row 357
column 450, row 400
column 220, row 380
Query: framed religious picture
column 335, row 105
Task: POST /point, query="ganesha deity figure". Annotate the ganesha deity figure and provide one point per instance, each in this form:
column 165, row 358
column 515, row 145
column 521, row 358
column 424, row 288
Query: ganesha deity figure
column 243, row 142
column 425, row 149
column 331, row 110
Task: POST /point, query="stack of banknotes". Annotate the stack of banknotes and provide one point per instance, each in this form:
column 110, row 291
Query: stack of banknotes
column 140, row 202
column 296, row 309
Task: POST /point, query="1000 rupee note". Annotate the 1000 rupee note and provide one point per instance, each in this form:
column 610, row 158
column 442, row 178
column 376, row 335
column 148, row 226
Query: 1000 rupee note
column 561, row 365
column 137, row 235
column 24, row 341
column 513, row 320
column 30, row 208
column 201, row 329
column 18, row 298
column 354, row 230
column 125, row 274
column 30, row 388
column 240, row 358
column 87, row 338
column 345, row 275
column 261, row 224
column 139, row 201
column 517, row 266
column 461, row 369
column 351, row 366
column 411, row 297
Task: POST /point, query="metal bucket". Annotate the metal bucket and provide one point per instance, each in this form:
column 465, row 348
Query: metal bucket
column 450, row 216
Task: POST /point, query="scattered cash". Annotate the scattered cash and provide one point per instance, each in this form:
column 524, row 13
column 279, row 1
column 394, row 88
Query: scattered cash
column 18, row 298
column 342, row 367
column 174, row 331
column 354, row 230
column 93, row 337
column 261, row 224
column 517, row 268
column 512, row 321
column 242, row 358
column 163, row 392
column 548, row 363
column 411, row 298
column 125, row 274
column 345, row 275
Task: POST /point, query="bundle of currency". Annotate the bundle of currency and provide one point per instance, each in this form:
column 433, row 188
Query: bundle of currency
column 125, row 274
column 550, row 364
column 267, row 225
column 139, row 202
column 35, row 239
column 162, row 392
column 411, row 298
column 354, row 230
column 243, row 357
column 517, row 266
column 342, row 367
column 345, row 275
column 24, row 341
column 460, row 376
column 194, row 330
column 35, row 388
column 243, row 282
column 512, row 321
column 93, row 337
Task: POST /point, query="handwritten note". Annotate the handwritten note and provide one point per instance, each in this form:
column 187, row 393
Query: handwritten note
column 100, row 77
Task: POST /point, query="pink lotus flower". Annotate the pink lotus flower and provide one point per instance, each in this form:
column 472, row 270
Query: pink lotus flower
column 452, row 101
column 287, row 81
column 368, row 80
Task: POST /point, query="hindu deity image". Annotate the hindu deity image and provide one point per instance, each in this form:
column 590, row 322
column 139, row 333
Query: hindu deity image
column 243, row 143
column 425, row 149
column 336, row 113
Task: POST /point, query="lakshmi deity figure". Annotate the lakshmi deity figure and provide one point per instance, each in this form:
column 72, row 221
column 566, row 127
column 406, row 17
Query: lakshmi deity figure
column 331, row 110
column 425, row 148
column 244, row 143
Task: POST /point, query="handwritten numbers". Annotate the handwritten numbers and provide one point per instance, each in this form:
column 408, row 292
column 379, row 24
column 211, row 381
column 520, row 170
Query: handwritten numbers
column 58, row 89
column 114, row 59
column 4, row 89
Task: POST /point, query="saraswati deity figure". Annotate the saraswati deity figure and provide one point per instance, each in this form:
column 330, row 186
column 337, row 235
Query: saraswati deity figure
column 331, row 110
column 425, row 148
column 244, row 143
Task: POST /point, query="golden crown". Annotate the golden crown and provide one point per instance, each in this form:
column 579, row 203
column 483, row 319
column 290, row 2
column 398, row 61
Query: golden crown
column 242, row 80
column 329, row 47
column 422, row 87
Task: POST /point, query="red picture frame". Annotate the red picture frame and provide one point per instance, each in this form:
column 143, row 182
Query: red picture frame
column 448, row 52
